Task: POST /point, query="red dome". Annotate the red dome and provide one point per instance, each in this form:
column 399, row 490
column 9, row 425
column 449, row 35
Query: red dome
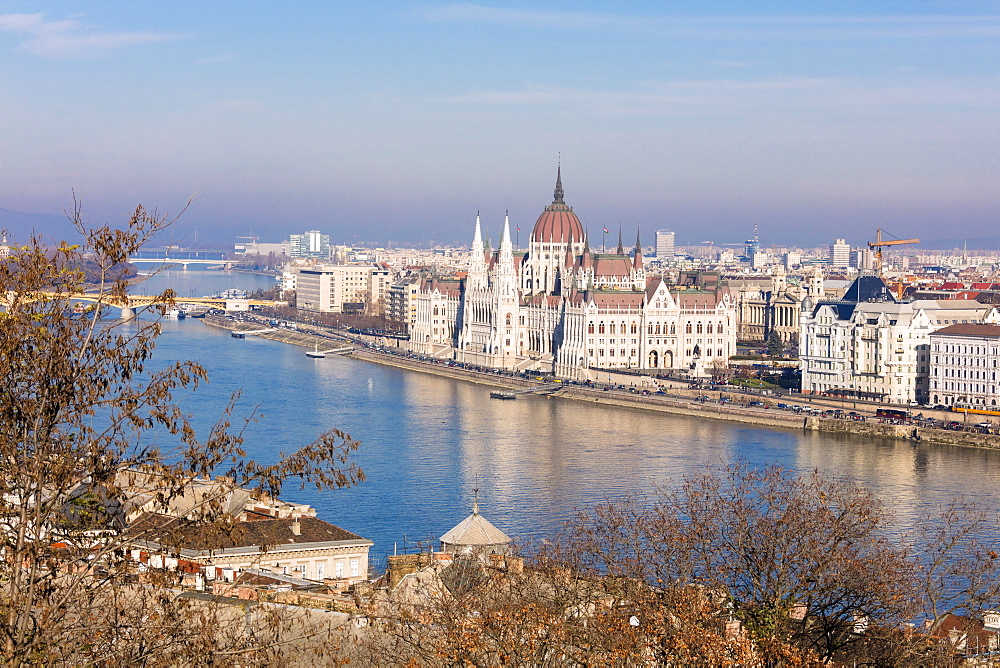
column 557, row 223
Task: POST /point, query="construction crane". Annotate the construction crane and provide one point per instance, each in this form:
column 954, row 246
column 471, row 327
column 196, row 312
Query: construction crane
column 878, row 244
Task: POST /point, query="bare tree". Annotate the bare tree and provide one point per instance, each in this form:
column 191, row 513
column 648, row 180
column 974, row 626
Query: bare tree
column 81, row 406
column 802, row 562
column 957, row 563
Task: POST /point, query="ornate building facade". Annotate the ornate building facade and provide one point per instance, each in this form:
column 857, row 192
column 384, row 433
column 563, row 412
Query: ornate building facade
column 867, row 345
column 563, row 309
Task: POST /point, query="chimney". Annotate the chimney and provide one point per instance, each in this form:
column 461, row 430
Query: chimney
column 296, row 527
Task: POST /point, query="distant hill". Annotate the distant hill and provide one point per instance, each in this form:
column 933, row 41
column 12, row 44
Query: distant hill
column 978, row 243
column 19, row 225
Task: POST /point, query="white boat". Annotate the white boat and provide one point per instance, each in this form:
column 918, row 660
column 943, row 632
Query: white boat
column 315, row 352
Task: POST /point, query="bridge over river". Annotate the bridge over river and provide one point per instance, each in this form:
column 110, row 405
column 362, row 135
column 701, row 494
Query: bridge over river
column 131, row 303
column 183, row 262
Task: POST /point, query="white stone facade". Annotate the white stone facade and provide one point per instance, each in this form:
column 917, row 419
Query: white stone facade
column 559, row 308
column 876, row 350
column 964, row 366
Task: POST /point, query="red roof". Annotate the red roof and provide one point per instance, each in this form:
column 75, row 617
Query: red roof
column 618, row 300
column 558, row 223
column 615, row 265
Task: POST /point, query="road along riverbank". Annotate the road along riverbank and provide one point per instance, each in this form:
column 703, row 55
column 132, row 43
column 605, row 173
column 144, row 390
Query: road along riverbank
column 677, row 402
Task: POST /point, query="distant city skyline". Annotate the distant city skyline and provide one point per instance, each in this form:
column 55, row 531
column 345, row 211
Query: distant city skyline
column 399, row 121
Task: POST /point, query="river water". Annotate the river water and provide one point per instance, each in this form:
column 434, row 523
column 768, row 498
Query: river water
column 428, row 442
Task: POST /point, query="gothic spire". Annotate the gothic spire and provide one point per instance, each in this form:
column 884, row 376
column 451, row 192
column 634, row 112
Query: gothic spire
column 637, row 260
column 505, row 256
column 505, row 240
column 558, row 194
column 477, row 257
column 621, row 249
column 477, row 240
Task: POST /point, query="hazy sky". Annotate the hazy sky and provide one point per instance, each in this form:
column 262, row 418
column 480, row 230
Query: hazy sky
column 397, row 121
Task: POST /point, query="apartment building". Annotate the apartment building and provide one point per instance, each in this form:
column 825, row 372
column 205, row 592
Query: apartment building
column 343, row 288
column 964, row 361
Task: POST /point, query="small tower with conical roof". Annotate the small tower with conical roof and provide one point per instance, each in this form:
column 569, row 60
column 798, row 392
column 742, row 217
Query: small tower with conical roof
column 475, row 535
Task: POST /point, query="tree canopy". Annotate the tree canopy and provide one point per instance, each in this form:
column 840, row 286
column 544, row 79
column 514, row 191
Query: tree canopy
column 83, row 410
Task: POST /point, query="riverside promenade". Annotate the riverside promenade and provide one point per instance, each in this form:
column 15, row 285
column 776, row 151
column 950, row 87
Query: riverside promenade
column 727, row 406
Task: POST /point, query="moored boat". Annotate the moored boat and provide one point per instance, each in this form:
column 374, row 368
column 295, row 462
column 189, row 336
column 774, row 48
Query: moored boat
column 496, row 394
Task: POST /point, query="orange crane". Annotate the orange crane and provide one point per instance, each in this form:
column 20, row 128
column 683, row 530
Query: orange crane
column 878, row 244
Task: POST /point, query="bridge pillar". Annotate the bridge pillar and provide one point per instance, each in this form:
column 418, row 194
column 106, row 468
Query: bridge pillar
column 128, row 313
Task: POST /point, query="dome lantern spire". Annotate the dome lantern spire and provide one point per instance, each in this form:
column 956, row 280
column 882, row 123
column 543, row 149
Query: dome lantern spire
column 557, row 195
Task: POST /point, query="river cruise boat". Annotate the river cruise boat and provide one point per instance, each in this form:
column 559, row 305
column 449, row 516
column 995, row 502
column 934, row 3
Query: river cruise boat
column 502, row 395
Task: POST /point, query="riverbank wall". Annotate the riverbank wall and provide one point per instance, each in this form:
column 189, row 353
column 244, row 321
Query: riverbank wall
column 679, row 404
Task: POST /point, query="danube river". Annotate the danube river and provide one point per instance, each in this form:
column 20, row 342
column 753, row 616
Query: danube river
column 427, row 442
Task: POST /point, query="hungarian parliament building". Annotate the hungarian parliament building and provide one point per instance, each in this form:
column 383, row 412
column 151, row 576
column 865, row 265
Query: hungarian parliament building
column 562, row 308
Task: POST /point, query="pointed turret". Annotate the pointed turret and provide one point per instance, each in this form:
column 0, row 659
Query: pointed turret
column 637, row 260
column 506, row 254
column 557, row 195
column 477, row 239
column 569, row 252
column 477, row 257
column 621, row 249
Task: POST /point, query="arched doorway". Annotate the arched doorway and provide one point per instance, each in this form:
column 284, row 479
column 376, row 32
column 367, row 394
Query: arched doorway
column 653, row 359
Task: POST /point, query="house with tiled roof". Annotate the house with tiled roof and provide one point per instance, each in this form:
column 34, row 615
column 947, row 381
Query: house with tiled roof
column 220, row 529
column 305, row 547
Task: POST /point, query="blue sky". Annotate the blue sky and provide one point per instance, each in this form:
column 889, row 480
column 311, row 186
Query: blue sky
column 397, row 121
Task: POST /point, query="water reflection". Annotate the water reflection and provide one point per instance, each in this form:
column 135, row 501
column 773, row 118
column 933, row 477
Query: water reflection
column 428, row 441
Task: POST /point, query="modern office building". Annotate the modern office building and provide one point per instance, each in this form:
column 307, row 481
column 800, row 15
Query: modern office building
column 840, row 254
column 309, row 244
column 665, row 245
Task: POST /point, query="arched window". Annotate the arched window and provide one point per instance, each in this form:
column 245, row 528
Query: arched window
column 699, row 328
column 709, row 328
column 508, row 320
column 720, row 328
column 612, row 328
column 687, row 329
column 635, row 328
column 657, row 328
column 600, row 328
column 590, row 327
column 652, row 359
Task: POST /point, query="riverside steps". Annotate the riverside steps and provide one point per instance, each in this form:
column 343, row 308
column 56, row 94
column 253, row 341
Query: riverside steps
column 728, row 407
